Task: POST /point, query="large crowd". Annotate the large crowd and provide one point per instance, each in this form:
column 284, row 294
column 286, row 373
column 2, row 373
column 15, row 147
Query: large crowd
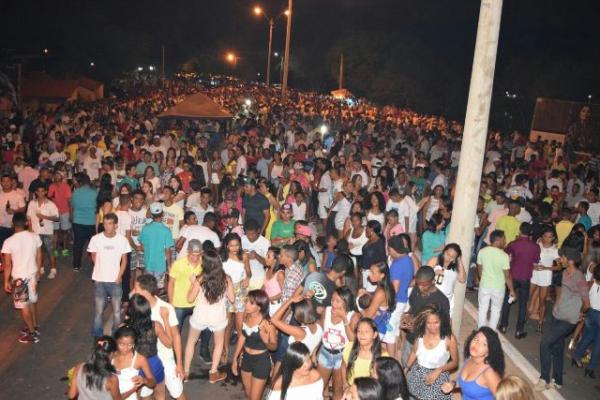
column 303, row 245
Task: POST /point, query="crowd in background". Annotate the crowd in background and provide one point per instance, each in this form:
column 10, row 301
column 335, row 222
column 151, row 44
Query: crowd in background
column 303, row 244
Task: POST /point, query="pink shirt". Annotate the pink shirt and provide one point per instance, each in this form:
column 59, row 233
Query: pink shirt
column 28, row 175
column 60, row 193
column 493, row 218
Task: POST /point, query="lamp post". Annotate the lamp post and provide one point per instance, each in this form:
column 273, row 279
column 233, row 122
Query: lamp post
column 286, row 63
column 231, row 58
column 259, row 11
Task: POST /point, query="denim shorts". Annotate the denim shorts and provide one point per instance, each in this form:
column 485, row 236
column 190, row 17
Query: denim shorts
column 328, row 360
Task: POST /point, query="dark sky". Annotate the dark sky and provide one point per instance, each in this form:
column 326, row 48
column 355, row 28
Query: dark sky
column 547, row 47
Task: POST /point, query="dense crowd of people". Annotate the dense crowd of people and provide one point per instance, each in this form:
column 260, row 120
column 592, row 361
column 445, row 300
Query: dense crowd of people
column 303, row 244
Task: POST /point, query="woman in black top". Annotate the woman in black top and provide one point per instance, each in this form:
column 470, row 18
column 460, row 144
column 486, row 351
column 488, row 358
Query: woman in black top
column 373, row 251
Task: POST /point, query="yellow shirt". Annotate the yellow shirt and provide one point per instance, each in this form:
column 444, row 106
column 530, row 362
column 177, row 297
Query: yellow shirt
column 361, row 367
column 563, row 228
column 181, row 271
column 72, row 151
column 510, row 226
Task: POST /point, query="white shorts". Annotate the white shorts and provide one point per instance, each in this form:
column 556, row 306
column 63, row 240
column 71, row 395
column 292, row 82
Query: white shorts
column 324, row 205
column 200, row 326
column 173, row 383
column 64, row 223
column 32, row 294
column 541, row 278
column 392, row 335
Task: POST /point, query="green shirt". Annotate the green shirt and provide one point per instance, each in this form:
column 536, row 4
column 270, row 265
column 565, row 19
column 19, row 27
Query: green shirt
column 510, row 226
column 156, row 238
column 494, row 262
column 282, row 230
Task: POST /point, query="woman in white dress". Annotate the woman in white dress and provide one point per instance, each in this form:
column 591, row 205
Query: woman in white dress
column 298, row 380
column 542, row 276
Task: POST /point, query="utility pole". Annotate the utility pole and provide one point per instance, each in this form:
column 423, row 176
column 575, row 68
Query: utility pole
column 163, row 65
column 19, row 85
column 271, row 24
column 286, row 62
column 341, row 76
column 473, row 142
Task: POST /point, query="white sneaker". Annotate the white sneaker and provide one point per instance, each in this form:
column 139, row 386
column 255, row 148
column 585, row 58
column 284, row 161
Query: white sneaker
column 554, row 385
column 42, row 271
column 540, row 385
column 52, row 273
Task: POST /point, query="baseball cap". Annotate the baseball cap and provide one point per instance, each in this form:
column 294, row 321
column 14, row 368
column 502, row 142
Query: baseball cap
column 286, row 207
column 156, row 208
column 250, row 181
column 194, row 246
column 397, row 244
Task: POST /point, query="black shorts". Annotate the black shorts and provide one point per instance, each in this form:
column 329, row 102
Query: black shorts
column 259, row 365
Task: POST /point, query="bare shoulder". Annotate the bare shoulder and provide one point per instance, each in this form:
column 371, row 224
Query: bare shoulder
column 314, row 376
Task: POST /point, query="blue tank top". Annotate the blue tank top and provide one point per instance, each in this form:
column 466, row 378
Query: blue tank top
column 471, row 390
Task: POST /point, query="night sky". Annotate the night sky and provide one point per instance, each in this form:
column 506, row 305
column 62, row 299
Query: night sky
column 413, row 53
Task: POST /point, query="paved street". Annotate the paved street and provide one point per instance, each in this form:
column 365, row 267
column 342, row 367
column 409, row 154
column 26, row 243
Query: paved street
column 37, row 371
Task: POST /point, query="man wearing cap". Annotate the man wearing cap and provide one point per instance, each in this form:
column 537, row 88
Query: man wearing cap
column 180, row 278
column 156, row 242
column 283, row 229
column 255, row 205
column 193, row 231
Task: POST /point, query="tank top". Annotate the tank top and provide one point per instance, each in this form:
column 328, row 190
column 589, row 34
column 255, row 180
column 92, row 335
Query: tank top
column 376, row 217
column 252, row 335
column 126, row 376
column 87, row 393
column 432, row 358
column 334, row 335
column 311, row 340
column 206, row 314
column 471, row 390
column 235, row 269
column 271, row 286
column 356, row 244
column 276, row 171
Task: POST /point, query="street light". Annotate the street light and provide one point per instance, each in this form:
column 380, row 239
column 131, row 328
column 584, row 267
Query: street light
column 45, row 51
column 140, row 69
column 231, row 58
column 259, row 11
column 151, row 68
column 92, row 64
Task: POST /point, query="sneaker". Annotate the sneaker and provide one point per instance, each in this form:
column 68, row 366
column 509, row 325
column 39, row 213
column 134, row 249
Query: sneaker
column 214, row 377
column 66, row 253
column 25, row 331
column 42, row 271
column 76, row 269
column 540, row 385
column 55, row 253
column 29, row 338
column 554, row 385
column 52, row 273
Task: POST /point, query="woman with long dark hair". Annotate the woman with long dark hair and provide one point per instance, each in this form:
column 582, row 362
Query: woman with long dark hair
column 448, row 269
column 434, row 237
column 305, row 257
column 376, row 208
column 390, row 376
column 383, row 303
column 258, row 337
column 434, row 354
column 298, row 379
column 365, row 388
column 96, row 378
column 148, row 333
column 359, row 356
column 373, row 251
column 209, row 291
column 483, row 368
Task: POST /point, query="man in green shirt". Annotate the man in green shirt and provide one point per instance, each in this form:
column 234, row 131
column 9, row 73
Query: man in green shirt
column 509, row 224
column 282, row 231
column 493, row 266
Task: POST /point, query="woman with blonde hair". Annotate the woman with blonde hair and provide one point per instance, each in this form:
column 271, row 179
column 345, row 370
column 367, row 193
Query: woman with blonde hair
column 514, row 388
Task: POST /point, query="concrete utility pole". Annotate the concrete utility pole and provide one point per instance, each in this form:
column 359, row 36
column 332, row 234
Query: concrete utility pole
column 341, row 73
column 473, row 142
column 271, row 24
column 286, row 56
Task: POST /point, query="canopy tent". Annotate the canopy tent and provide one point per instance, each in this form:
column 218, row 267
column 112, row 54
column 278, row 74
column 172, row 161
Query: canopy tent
column 341, row 94
column 196, row 106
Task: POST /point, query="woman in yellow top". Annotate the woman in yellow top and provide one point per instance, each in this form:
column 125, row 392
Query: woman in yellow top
column 359, row 356
column 263, row 188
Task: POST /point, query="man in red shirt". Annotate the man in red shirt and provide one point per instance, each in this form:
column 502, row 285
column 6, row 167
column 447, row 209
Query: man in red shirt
column 60, row 193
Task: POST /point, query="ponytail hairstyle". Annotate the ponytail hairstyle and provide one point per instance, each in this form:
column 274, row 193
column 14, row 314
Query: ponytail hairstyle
column 386, row 284
column 99, row 367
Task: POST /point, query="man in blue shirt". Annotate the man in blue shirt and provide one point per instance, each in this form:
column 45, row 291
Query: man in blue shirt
column 83, row 213
column 156, row 242
column 401, row 274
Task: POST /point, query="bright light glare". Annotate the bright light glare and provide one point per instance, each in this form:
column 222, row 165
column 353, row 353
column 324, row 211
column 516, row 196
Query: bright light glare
column 140, row 69
column 92, row 64
column 230, row 57
column 287, row 13
column 257, row 10
column 151, row 68
column 276, row 54
column 323, row 129
column 45, row 51
column 248, row 102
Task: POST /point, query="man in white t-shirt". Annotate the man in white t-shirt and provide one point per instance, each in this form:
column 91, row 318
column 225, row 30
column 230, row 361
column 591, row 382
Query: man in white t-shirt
column 593, row 211
column 191, row 230
column 257, row 247
column 108, row 250
column 41, row 214
column 22, row 257
column 11, row 202
column 169, row 351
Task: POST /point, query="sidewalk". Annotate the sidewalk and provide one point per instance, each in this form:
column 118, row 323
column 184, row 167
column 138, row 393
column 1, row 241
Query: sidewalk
column 516, row 363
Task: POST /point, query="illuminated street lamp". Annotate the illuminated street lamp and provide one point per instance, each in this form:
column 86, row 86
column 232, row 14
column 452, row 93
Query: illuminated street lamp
column 140, row 69
column 45, row 51
column 231, row 58
column 92, row 64
column 151, row 68
column 258, row 11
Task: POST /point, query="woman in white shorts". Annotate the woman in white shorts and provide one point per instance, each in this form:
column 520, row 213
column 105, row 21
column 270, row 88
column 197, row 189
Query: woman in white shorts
column 542, row 276
column 209, row 292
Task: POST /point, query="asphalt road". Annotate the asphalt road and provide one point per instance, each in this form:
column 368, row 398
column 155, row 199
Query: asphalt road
column 38, row 371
